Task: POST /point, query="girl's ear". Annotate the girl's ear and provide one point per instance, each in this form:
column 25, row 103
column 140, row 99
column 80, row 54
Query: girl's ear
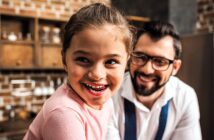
column 64, row 61
column 65, row 67
column 176, row 66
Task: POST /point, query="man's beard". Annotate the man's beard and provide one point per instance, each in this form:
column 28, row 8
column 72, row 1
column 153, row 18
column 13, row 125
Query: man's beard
column 143, row 90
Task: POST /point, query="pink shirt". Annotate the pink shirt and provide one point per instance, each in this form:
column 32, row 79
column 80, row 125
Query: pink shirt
column 65, row 116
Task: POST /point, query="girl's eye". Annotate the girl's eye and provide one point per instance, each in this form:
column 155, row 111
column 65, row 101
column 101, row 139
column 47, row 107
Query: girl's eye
column 82, row 60
column 112, row 62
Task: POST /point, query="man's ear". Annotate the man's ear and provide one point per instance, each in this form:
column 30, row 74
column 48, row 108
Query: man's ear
column 176, row 66
column 128, row 64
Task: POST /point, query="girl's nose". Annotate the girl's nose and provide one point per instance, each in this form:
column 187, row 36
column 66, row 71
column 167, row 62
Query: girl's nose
column 97, row 72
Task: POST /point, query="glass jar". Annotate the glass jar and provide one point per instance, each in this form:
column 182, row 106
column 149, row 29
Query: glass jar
column 45, row 34
column 56, row 35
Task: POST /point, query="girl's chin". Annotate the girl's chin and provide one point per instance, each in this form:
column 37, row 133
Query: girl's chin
column 96, row 106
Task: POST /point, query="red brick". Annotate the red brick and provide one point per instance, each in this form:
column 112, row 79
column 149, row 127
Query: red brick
column 7, row 10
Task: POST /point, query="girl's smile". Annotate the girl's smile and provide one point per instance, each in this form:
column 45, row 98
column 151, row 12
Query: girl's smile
column 95, row 89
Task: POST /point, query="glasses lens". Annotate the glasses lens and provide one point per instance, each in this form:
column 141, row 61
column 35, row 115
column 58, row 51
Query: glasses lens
column 139, row 59
column 160, row 63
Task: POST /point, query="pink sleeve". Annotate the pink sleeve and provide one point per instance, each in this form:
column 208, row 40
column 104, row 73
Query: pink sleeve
column 64, row 124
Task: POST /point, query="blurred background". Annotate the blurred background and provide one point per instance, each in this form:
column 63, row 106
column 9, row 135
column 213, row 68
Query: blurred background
column 30, row 60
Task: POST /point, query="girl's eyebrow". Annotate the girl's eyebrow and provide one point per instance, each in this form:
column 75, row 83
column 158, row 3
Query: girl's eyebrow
column 114, row 55
column 80, row 52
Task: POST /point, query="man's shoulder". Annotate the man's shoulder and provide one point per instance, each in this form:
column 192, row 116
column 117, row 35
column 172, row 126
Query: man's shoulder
column 179, row 85
column 183, row 93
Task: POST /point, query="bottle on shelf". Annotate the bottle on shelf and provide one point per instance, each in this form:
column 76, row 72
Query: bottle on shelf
column 4, row 35
column 20, row 36
column 28, row 37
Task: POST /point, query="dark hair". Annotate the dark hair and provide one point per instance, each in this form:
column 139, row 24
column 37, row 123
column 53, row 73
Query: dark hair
column 94, row 15
column 159, row 29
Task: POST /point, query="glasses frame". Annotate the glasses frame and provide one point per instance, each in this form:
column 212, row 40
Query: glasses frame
column 150, row 58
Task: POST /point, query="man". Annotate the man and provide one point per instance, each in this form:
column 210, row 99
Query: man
column 152, row 103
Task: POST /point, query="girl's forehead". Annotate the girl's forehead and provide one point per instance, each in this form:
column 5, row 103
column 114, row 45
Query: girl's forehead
column 105, row 27
column 100, row 33
column 105, row 36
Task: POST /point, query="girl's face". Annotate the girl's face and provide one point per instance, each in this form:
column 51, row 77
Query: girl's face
column 95, row 63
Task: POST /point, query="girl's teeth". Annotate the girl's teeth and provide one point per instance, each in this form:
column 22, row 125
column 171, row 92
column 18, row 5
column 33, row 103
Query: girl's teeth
column 96, row 87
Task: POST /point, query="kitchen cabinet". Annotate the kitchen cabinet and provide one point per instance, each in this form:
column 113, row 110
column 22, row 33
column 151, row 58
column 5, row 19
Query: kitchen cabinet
column 52, row 56
column 16, row 55
column 30, row 42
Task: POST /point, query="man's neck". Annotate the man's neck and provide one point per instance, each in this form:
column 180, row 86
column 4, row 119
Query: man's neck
column 148, row 101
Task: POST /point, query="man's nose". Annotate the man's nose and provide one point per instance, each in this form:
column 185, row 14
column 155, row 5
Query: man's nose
column 147, row 68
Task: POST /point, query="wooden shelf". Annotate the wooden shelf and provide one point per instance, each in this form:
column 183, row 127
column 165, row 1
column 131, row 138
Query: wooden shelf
column 137, row 18
column 41, row 71
column 53, row 19
column 10, row 12
column 17, row 42
column 51, row 44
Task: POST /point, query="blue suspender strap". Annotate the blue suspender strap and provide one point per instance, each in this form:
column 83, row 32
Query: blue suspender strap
column 162, row 121
column 130, row 121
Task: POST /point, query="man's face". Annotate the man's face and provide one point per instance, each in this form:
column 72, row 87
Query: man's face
column 146, row 79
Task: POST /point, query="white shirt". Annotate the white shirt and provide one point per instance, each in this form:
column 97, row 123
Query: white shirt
column 183, row 114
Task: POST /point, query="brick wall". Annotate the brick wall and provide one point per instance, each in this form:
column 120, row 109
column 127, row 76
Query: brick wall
column 205, row 18
column 26, row 92
column 62, row 9
column 57, row 9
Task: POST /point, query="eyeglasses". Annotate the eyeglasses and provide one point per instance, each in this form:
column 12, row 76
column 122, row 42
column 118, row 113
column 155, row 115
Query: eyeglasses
column 158, row 63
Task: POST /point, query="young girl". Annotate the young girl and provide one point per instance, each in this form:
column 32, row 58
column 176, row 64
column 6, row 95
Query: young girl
column 95, row 50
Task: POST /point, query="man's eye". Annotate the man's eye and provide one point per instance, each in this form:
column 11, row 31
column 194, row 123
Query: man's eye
column 144, row 58
column 160, row 62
